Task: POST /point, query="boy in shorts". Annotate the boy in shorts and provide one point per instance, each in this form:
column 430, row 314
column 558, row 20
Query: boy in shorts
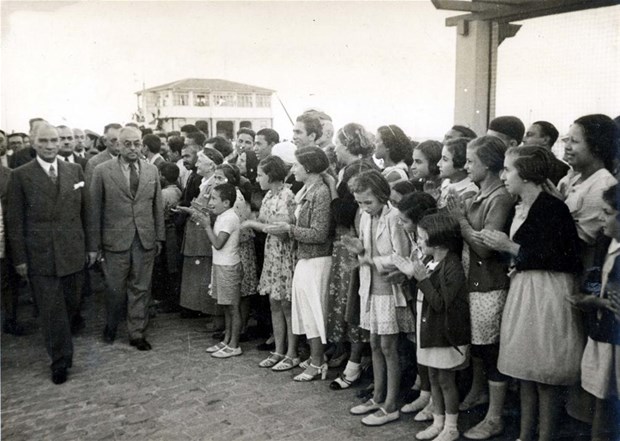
column 227, row 272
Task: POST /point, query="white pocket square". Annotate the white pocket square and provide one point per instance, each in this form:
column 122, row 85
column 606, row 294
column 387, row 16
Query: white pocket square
column 78, row 185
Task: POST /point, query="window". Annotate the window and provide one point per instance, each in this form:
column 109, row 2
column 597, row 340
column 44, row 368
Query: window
column 223, row 99
column 201, row 99
column 163, row 99
column 181, row 99
column 244, row 100
column 263, row 100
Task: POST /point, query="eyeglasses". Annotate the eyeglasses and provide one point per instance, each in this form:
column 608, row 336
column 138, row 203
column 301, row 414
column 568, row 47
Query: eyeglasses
column 137, row 144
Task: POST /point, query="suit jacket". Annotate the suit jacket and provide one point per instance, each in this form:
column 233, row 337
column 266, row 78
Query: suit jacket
column 92, row 163
column 24, row 156
column 4, row 184
column 117, row 216
column 45, row 222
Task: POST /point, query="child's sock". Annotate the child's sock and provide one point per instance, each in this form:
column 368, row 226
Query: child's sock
column 451, row 421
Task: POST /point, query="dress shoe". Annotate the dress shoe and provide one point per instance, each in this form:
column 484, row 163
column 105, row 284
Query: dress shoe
column 11, row 327
column 77, row 324
column 59, row 375
column 380, row 417
column 141, row 344
column 108, row 335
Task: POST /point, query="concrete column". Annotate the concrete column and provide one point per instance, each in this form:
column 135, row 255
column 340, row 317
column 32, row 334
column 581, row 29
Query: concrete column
column 476, row 67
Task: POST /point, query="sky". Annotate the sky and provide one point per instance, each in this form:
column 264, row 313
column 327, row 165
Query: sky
column 376, row 63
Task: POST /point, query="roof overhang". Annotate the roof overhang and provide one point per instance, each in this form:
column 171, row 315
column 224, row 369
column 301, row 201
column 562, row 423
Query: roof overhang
column 506, row 11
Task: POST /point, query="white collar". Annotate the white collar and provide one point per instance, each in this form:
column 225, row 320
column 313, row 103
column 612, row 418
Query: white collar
column 46, row 165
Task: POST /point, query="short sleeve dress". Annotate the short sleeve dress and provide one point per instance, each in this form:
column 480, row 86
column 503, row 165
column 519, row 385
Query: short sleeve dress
column 277, row 275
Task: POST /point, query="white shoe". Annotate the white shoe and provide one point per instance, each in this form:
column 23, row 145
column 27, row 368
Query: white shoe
column 415, row 406
column 366, row 407
column 217, row 347
column 425, row 414
column 448, row 435
column 227, row 352
column 430, row 432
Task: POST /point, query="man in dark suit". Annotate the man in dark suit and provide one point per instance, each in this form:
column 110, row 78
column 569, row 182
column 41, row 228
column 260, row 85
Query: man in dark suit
column 112, row 147
column 28, row 153
column 8, row 288
column 67, row 146
column 47, row 206
column 128, row 227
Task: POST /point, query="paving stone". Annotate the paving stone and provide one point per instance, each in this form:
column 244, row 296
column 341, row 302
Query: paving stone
column 175, row 392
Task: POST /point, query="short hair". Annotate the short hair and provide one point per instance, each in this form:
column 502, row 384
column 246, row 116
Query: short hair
column 189, row 128
column 532, row 162
column 227, row 192
column 443, row 231
column 111, row 126
column 62, row 126
column 490, row 150
column 432, row 152
column 465, row 131
column 417, row 205
column 132, row 124
column 213, row 155
column 38, row 128
column 510, row 126
column 270, row 135
column 322, row 116
column 611, row 197
column 174, row 133
column 395, row 141
column 176, row 143
column 221, row 144
column 313, row 159
column 404, row 187
column 12, row 135
column 169, row 171
column 146, row 130
column 33, row 121
column 548, row 129
column 374, row 181
column 232, row 173
column 458, row 148
column 246, row 131
column 601, row 136
column 312, row 124
column 152, row 142
column 274, row 168
column 4, row 134
column 198, row 137
column 356, row 140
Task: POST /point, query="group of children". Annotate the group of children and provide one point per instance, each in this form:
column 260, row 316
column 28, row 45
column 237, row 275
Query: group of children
column 458, row 268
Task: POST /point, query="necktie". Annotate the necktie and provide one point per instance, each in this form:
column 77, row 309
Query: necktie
column 52, row 174
column 133, row 179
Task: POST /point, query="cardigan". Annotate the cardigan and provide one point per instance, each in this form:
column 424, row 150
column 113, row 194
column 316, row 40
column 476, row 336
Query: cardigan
column 489, row 209
column 390, row 239
column 313, row 227
column 445, row 317
column 548, row 238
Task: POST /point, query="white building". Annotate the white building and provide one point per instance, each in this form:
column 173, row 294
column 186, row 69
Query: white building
column 225, row 105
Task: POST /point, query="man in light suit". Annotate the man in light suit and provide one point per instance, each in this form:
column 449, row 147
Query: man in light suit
column 128, row 227
column 110, row 139
column 47, row 206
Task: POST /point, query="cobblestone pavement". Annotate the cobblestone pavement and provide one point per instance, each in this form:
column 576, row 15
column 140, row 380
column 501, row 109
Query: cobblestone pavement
column 174, row 392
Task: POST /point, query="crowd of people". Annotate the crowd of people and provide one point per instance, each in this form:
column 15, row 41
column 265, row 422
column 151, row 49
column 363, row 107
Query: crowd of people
column 483, row 252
